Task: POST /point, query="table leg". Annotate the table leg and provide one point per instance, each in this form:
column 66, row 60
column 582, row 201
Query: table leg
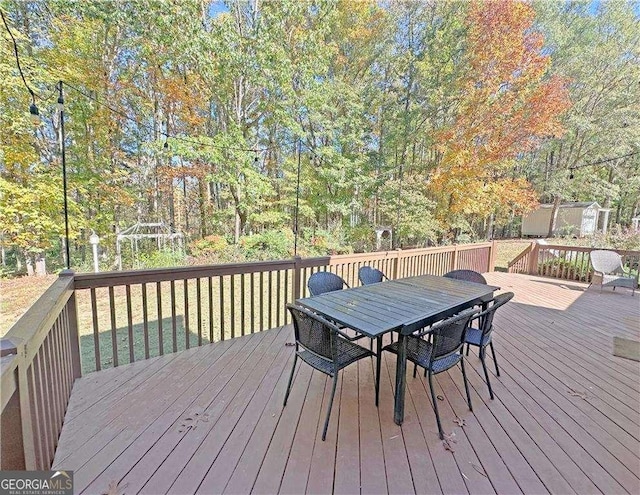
column 401, row 372
column 378, row 363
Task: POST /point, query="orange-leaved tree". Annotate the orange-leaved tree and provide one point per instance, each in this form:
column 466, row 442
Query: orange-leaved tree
column 507, row 106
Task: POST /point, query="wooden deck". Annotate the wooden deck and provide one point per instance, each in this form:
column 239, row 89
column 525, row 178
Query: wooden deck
column 566, row 418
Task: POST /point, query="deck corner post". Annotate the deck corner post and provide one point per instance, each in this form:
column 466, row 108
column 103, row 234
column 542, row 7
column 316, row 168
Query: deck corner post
column 532, row 269
column 26, row 403
column 297, row 278
column 72, row 326
column 74, row 338
column 492, row 256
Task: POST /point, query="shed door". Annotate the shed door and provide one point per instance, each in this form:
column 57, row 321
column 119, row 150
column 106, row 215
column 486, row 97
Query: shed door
column 589, row 219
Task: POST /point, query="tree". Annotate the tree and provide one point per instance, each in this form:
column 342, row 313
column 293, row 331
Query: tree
column 598, row 52
column 507, row 107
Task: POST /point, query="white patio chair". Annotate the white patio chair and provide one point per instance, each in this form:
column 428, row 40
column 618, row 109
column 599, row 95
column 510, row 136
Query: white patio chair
column 609, row 271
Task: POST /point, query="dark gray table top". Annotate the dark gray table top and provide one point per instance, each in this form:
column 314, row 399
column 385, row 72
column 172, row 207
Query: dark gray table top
column 379, row 308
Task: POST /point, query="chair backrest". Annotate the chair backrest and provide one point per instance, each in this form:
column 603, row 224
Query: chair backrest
column 313, row 332
column 605, row 261
column 468, row 275
column 322, row 282
column 369, row 275
column 448, row 335
column 486, row 317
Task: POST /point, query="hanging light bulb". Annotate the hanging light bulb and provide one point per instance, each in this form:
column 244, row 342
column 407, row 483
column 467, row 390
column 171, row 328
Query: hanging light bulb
column 570, row 173
column 34, row 113
column 166, row 146
column 255, row 159
column 60, row 104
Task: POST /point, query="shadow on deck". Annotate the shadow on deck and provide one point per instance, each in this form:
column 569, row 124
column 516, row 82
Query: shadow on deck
column 566, row 417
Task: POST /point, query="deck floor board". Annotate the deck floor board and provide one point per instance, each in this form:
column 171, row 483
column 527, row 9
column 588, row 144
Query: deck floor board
column 124, row 426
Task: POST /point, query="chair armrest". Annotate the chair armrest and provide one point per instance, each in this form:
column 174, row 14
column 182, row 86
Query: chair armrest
column 350, row 339
column 628, row 272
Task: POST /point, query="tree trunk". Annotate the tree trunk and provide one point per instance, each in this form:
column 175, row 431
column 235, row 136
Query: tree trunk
column 554, row 215
column 489, row 231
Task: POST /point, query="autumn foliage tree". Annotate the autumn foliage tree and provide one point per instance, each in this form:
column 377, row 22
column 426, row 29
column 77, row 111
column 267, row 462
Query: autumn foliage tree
column 507, row 106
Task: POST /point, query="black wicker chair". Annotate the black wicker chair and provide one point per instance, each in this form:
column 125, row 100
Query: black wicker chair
column 444, row 352
column 321, row 282
column 468, row 275
column 369, row 275
column 481, row 336
column 322, row 345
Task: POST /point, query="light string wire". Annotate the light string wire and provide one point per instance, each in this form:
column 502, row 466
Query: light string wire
column 605, row 160
column 17, row 56
column 115, row 110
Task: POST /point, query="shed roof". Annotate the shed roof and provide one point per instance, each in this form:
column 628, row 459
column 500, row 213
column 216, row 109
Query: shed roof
column 574, row 204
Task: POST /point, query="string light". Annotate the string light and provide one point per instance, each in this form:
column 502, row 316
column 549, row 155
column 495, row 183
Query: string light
column 34, row 113
column 600, row 162
column 33, row 108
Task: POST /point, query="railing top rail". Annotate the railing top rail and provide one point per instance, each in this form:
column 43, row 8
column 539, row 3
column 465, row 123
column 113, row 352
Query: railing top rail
column 8, row 365
column 32, row 328
column 583, row 249
column 525, row 252
column 314, row 262
column 108, row 279
column 346, row 258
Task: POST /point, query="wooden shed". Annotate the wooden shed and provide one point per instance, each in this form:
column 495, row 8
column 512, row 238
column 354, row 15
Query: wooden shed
column 577, row 219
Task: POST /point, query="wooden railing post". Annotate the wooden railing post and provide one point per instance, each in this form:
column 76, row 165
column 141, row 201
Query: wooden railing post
column 492, row 256
column 396, row 265
column 297, row 278
column 454, row 258
column 16, row 347
column 74, row 339
column 533, row 259
column 11, row 448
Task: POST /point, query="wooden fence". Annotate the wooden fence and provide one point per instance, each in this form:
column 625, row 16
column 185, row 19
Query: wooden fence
column 133, row 315
column 563, row 262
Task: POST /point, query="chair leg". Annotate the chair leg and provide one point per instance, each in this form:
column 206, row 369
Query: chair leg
column 495, row 361
column 468, row 350
column 466, row 384
column 333, row 393
column 486, row 373
column 293, row 369
column 435, row 405
column 415, row 369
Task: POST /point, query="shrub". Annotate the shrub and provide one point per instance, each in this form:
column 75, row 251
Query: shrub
column 269, row 245
column 160, row 259
column 210, row 245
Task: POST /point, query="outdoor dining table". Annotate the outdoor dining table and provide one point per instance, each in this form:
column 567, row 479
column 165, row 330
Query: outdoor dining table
column 376, row 309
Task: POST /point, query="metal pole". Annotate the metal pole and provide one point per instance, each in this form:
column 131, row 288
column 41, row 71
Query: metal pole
column 295, row 232
column 64, row 175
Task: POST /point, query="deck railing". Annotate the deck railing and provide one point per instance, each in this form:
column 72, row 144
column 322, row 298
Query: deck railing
column 563, row 262
column 40, row 361
column 133, row 315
